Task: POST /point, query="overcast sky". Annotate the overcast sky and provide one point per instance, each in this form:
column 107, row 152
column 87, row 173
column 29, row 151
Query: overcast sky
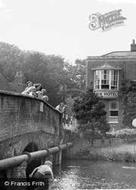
column 60, row 27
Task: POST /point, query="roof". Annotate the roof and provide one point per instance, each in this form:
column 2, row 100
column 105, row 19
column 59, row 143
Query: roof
column 121, row 54
column 106, row 67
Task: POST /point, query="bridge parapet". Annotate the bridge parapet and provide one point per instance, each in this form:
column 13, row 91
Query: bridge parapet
column 24, row 120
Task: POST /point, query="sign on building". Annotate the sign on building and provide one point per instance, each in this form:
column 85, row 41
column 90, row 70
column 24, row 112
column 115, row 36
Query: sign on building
column 107, row 94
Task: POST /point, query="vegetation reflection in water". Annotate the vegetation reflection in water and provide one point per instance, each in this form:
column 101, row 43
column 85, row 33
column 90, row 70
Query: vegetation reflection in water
column 81, row 175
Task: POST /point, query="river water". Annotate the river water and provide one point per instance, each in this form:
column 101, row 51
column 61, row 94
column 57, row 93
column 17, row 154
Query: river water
column 77, row 175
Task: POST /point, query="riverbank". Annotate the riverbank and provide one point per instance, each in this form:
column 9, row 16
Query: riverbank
column 116, row 150
column 106, row 154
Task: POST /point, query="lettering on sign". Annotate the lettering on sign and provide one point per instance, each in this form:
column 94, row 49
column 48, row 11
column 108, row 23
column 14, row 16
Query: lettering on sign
column 107, row 94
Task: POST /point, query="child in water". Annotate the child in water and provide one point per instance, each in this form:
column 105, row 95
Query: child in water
column 44, row 173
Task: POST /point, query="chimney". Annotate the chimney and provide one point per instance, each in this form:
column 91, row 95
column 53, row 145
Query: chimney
column 133, row 46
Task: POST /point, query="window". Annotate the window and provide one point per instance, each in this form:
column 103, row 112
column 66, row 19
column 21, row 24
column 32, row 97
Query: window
column 106, row 79
column 113, row 112
column 97, row 79
column 113, row 109
column 114, row 79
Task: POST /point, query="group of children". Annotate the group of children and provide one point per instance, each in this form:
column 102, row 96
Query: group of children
column 35, row 90
column 43, row 172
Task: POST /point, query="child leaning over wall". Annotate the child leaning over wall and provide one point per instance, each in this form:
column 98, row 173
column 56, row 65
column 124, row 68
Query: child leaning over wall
column 43, row 173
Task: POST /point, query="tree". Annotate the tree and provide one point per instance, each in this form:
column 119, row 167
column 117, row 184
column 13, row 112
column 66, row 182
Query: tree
column 80, row 74
column 127, row 95
column 76, row 73
column 90, row 113
column 47, row 70
column 34, row 67
column 55, row 74
column 73, row 79
column 10, row 59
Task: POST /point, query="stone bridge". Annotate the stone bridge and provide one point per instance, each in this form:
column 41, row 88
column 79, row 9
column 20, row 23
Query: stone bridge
column 27, row 124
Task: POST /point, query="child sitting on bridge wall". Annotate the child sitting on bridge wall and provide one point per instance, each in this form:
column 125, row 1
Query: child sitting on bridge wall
column 60, row 107
column 35, row 90
column 42, row 94
column 29, row 88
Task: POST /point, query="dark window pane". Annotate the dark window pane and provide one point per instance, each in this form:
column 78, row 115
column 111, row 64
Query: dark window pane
column 113, row 113
column 113, row 87
column 105, row 86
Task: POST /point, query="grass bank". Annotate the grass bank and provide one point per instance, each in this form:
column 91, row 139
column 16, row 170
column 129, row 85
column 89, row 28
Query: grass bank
column 115, row 152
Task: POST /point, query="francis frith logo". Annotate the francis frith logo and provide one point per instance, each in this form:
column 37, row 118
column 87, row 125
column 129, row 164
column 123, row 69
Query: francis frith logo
column 106, row 21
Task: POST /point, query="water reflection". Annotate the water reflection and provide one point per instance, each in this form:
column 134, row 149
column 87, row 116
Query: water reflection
column 77, row 175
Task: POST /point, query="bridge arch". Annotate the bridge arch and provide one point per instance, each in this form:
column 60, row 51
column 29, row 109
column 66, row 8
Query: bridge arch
column 24, row 120
column 27, row 124
column 31, row 147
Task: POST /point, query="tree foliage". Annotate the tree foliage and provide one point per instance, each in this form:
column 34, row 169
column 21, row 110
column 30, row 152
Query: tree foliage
column 90, row 112
column 10, row 59
column 128, row 96
column 53, row 72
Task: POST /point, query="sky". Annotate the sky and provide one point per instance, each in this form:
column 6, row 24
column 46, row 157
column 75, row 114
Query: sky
column 61, row 27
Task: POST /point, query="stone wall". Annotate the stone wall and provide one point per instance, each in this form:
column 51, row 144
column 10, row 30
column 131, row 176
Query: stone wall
column 26, row 120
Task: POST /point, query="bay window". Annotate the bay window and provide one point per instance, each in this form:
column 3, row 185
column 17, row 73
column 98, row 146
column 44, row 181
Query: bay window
column 106, row 79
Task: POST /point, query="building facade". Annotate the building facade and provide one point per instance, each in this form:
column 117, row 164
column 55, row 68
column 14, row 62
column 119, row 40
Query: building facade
column 106, row 74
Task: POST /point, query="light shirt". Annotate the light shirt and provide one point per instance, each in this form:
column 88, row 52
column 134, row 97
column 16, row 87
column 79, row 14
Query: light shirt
column 44, row 170
column 28, row 90
column 60, row 108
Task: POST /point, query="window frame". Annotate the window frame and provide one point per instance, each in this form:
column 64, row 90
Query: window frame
column 110, row 81
column 112, row 118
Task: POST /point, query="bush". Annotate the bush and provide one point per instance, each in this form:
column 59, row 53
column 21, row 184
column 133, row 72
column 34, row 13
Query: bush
column 123, row 133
